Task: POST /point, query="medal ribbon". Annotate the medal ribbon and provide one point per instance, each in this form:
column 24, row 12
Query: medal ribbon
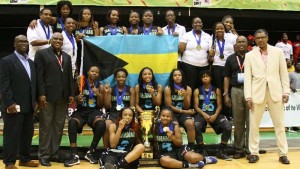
column 221, row 48
column 199, row 40
column 147, row 32
column 120, row 98
column 71, row 39
column 173, row 29
column 113, row 31
column 61, row 23
column 43, row 26
column 241, row 66
column 177, row 87
column 144, row 85
column 130, row 29
column 85, row 30
column 171, row 127
column 91, row 93
column 206, row 96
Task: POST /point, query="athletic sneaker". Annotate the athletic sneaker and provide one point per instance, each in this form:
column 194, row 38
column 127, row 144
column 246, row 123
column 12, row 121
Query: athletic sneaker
column 73, row 161
column 91, row 158
column 200, row 164
column 210, row 160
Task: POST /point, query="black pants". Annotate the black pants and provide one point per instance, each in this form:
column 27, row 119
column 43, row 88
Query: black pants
column 192, row 74
column 218, row 81
column 17, row 137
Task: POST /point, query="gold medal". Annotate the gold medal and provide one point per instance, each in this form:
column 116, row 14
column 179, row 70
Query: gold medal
column 91, row 101
column 207, row 107
column 198, row 47
column 179, row 92
column 148, row 87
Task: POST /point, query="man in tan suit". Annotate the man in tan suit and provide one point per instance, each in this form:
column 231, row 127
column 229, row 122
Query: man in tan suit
column 266, row 83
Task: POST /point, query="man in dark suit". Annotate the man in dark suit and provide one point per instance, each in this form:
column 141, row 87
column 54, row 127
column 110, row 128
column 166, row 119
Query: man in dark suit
column 18, row 90
column 55, row 88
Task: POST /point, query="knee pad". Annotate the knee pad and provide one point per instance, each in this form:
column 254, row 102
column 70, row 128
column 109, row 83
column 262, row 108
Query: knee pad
column 73, row 126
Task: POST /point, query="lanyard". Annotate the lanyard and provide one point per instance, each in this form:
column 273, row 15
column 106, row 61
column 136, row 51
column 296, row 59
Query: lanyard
column 241, row 66
column 173, row 29
column 120, row 98
column 60, row 60
column 113, row 31
column 61, row 23
column 43, row 26
column 221, row 48
column 147, row 32
column 71, row 39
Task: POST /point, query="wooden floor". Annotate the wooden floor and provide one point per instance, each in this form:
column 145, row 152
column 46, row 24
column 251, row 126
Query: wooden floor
column 267, row 161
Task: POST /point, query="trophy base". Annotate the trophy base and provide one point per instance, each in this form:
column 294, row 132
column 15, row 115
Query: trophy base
column 148, row 162
column 147, row 158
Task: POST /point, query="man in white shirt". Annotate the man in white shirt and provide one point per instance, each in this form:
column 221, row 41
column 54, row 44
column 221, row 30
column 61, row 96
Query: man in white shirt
column 39, row 37
column 173, row 29
column 285, row 46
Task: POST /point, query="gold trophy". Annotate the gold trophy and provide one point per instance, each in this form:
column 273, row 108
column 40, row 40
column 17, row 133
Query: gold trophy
column 146, row 123
column 146, row 120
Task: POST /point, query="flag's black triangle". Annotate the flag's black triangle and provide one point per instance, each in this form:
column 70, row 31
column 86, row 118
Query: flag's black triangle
column 94, row 55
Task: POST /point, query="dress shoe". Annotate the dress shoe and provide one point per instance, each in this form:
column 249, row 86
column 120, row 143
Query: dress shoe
column 284, row 160
column 29, row 164
column 253, row 158
column 45, row 162
column 11, row 167
column 239, row 155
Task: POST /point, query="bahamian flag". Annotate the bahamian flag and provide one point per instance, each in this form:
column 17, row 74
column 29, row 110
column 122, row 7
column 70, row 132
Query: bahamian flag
column 133, row 52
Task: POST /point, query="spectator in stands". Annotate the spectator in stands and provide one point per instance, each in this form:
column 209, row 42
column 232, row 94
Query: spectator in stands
column 208, row 105
column 266, row 83
column 148, row 93
column 113, row 17
column 290, row 65
column 39, row 37
column 285, row 46
column 194, row 45
column 55, row 89
column 296, row 46
column 18, row 89
column 178, row 95
column 221, row 46
column 229, row 25
column 116, row 98
column 234, row 78
column 69, row 44
column 168, row 142
column 64, row 10
column 295, row 78
column 89, row 101
column 175, row 29
column 148, row 28
column 125, row 142
column 134, row 20
column 251, row 42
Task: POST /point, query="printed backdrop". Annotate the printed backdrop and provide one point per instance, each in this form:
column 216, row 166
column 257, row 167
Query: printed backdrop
column 293, row 5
